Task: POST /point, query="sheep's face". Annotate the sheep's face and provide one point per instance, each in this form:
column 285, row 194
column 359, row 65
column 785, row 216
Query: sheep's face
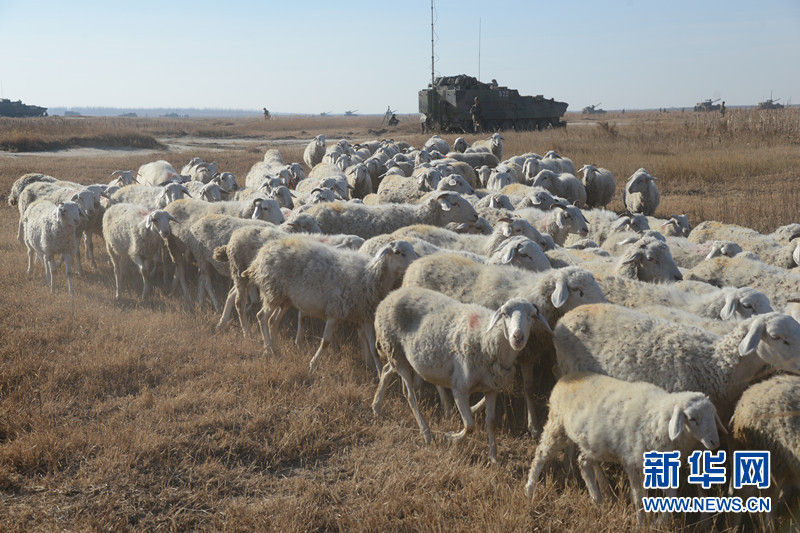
column 158, row 221
column 397, row 256
column 454, row 208
column 649, row 259
column 70, row 213
column 589, row 172
column 455, row 183
column 227, row 182
column 775, row 338
column 283, row 196
column 640, row 182
column 743, row 303
column 571, row 287
column 698, row 418
column 517, row 316
column 540, row 200
column 171, row 193
column 211, row 192
column 676, row 226
column 320, row 141
column 572, row 220
column 546, row 179
column 522, row 252
column 500, row 201
column 321, row 194
column 460, row 145
column 498, row 180
column 267, row 209
column 303, row 223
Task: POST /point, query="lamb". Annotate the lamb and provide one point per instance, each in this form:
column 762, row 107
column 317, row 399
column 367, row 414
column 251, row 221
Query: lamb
column 641, row 193
column 767, row 417
column 358, row 180
column 740, row 271
column 599, row 184
column 327, row 283
column 50, row 229
column 677, row 357
column 138, row 234
column 157, row 173
column 563, row 185
column 493, row 144
column 614, row 420
column 314, row 151
column 559, row 222
column 454, row 345
column 149, row 196
column 459, row 145
column 368, row 221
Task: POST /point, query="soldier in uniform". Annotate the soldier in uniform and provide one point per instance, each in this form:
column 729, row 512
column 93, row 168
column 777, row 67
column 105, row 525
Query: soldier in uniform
column 422, row 119
column 477, row 115
column 393, row 121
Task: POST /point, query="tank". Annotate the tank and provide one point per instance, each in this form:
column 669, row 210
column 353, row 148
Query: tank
column 446, row 104
column 18, row 109
column 707, row 105
column 769, row 103
column 593, row 110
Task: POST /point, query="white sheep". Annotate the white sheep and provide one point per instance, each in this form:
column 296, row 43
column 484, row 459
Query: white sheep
column 157, row 173
column 459, row 145
column 564, row 185
column 674, row 226
column 50, row 229
column 559, row 222
column 122, row 178
column 151, row 197
column 23, row 181
column 368, row 221
column 641, row 193
column 475, row 159
column 327, row 283
column 633, row 346
column 210, row 192
column 453, row 345
column 314, row 151
column 565, row 164
column 599, row 184
column 618, row 421
column 437, row 143
column 775, row 248
column 493, row 144
column 136, row 233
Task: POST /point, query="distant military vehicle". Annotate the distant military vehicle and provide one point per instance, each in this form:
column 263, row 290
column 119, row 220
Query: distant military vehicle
column 447, row 101
column 18, row 109
column 769, row 103
column 351, row 113
column 593, row 110
column 708, row 105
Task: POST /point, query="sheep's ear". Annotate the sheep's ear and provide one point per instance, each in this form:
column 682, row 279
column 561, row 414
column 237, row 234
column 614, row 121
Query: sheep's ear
column 506, row 231
column 511, row 252
column 148, row 222
column 561, row 219
column 676, row 423
column 560, row 294
column 444, row 203
column 726, row 313
column 635, row 257
column 750, row 341
column 720, row 425
column 495, row 317
column 537, row 314
column 715, row 251
column 172, row 218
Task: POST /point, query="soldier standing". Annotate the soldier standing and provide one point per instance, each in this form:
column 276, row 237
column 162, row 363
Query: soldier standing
column 722, row 108
column 422, row 119
column 477, row 115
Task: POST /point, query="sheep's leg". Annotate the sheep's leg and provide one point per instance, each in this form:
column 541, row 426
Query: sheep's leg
column 602, row 480
column 369, row 333
column 226, row 311
column 478, row 406
column 115, row 267
column 68, row 272
column 143, row 272
column 87, row 239
column 20, row 229
column 444, row 400
column 241, row 304
column 528, row 388
column 491, row 401
column 462, row 402
column 276, row 317
column 261, row 316
column 180, row 273
column 633, row 472
column 49, row 272
column 78, row 265
column 553, row 440
column 205, row 275
column 588, row 470
column 31, row 254
column 383, row 383
column 405, row 375
column 327, row 334
column 299, row 333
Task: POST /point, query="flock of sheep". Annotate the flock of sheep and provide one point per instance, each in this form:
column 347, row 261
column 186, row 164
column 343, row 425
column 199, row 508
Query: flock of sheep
column 468, row 271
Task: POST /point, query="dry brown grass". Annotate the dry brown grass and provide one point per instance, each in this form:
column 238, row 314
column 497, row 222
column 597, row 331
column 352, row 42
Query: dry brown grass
column 137, row 416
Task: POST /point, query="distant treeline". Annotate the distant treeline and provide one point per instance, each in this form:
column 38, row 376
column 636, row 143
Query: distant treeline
column 167, row 112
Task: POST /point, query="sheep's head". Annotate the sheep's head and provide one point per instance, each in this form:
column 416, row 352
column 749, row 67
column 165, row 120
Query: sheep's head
column 676, row 226
column 396, row 256
column 302, row 223
column 743, row 303
column 540, row 199
column 451, row 207
column 320, row 140
column 456, row 183
column 158, row 221
column 775, row 338
column 321, row 194
column 649, row 259
column 124, row 177
column 521, row 252
column 267, row 209
column 517, row 315
column 726, row 248
column 459, row 145
column 87, row 199
column 547, row 179
column 571, row 219
column 568, row 288
column 530, row 168
column 696, row 415
column 70, row 213
column 499, row 201
column 497, row 140
column 226, row 182
column 283, row 196
column 429, row 179
column 172, row 192
column 588, row 172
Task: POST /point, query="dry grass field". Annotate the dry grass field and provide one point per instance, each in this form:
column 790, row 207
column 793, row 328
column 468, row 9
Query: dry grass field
column 138, row 416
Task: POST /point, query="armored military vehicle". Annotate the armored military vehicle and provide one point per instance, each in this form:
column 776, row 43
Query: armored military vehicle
column 769, row 103
column 593, row 110
column 18, row 109
column 708, row 105
column 447, row 101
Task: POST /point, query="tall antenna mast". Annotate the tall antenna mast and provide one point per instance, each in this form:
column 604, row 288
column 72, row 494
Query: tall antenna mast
column 431, row 42
column 479, row 49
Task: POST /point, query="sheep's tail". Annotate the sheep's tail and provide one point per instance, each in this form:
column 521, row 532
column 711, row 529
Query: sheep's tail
column 221, row 254
column 12, row 198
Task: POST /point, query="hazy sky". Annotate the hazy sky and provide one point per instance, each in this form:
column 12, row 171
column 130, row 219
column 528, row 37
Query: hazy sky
column 313, row 56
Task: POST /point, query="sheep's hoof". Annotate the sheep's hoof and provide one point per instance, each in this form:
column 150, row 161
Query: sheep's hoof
column 492, row 460
column 535, row 433
column 530, row 490
column 376, row 411
column 426, row 436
